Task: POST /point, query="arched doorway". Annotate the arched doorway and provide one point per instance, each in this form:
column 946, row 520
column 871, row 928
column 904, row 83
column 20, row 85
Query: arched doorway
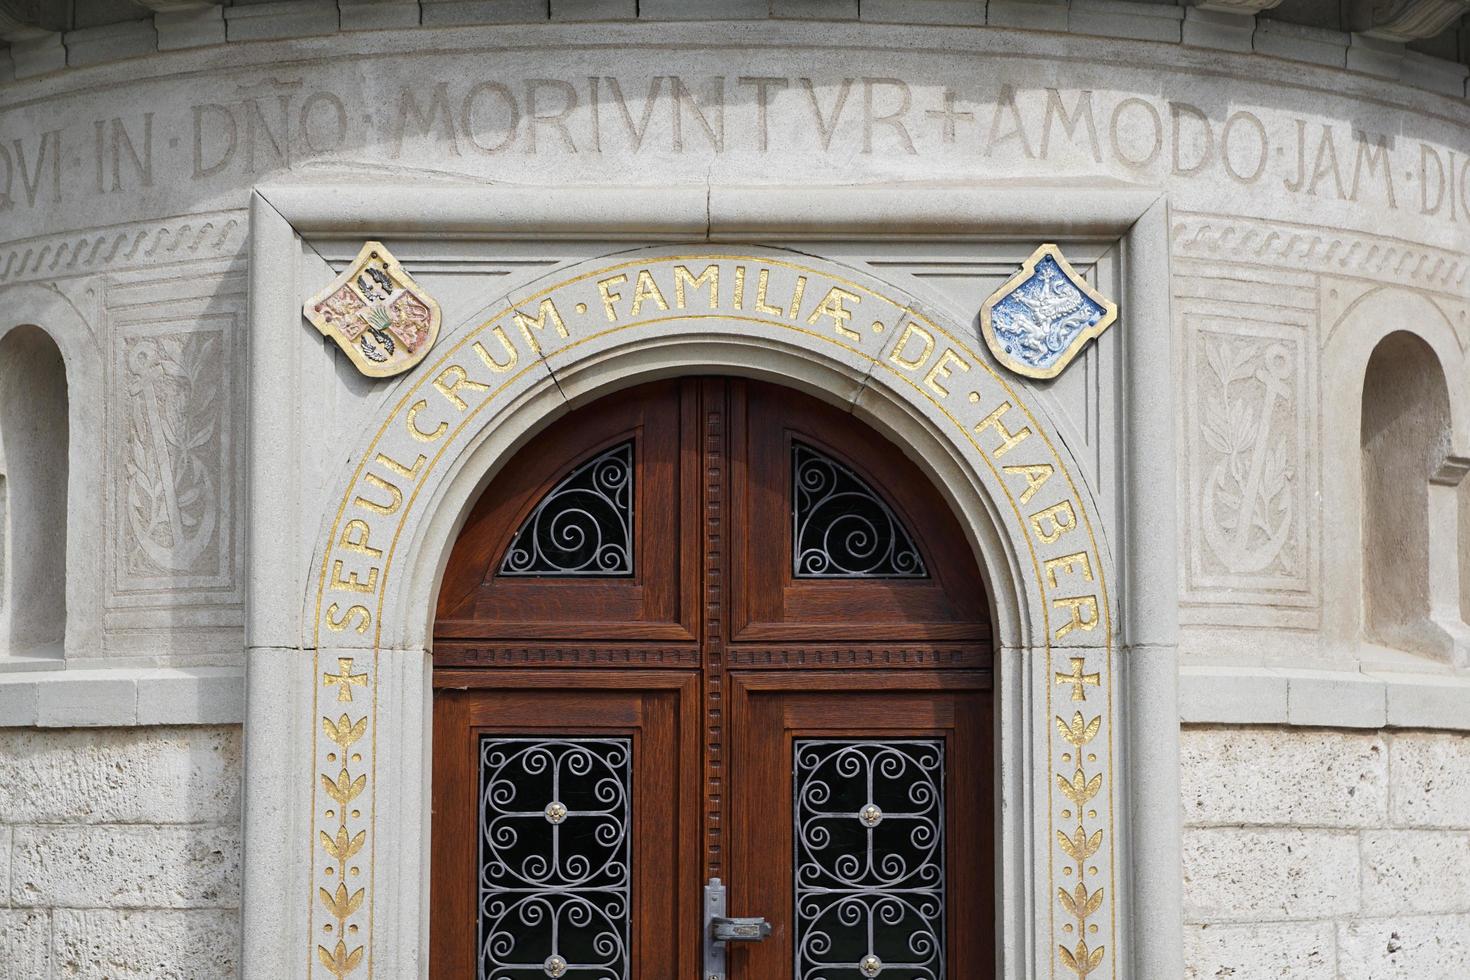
column 701, row 629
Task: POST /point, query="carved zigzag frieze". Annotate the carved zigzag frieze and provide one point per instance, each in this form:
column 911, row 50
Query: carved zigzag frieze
column 123, row 246
column 1322, row 250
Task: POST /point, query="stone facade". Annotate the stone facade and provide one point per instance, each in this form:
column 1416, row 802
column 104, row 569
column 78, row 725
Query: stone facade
column 1338, row 859
column 1279, row 205
column 120, row 853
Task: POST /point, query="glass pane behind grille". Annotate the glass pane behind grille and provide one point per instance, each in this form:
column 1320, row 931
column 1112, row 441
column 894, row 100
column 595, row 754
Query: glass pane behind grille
column 554, row 858
column 869, row 859
column 584, row 524
column 841, row 527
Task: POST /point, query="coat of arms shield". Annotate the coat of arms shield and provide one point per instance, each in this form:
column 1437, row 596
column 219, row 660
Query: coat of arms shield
column 1044, row 316
column 381, row 318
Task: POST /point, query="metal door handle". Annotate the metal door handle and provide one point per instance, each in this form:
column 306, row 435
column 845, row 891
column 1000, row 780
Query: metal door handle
column 720, row 929
column 744, row 929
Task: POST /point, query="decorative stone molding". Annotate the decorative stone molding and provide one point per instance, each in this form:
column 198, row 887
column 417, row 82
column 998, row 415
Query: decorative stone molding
column 1247, row 7
column 177, row 6
column 1406, row 20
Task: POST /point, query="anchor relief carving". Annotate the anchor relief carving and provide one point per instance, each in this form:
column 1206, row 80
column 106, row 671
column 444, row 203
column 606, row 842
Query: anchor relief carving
column 1247, row 499
column 172, row 452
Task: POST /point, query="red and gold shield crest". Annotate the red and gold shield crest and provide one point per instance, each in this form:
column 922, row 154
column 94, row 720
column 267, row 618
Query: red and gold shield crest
column 375, row 311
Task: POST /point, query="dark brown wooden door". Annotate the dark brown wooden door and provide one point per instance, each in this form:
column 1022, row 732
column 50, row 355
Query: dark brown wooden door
column 712, row 628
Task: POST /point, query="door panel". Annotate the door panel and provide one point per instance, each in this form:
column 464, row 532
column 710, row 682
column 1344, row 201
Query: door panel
column 565, row 803
column 770, row 605
column 732, row 676
column 860, row 826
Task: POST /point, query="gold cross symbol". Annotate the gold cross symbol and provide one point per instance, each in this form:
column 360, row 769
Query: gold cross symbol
column 345, row 680
column 1076, row 678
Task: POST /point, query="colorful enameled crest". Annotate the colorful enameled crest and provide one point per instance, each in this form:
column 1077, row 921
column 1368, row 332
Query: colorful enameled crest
column 1044, row 315
column 377, row 314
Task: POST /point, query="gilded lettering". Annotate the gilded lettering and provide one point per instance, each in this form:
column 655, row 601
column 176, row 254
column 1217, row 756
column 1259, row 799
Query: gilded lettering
column 355, row 538
column 740, row 287
column 351, row 582
column 796, row 295
column 451, row 380
column 709, row 277
column 545, row 313
column 762, row 280
column 646, row 289
column 610, row 298
column 1082, row 614
column 338, row 623
column 511, row 354
column 413, row 425
column 1054, row 521
column 831, row 306
column 1008, row 440
column 407, row 472
column 912, row 330
column 395, row 496
column 1036, row 476
column 1070, row 564
column 948, row 360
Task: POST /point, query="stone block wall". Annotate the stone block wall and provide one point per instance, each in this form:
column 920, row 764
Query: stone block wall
column 1322, row 854
column 120, row 853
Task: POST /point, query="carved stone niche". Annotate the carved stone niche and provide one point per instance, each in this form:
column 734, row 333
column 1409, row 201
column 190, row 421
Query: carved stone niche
column 1405, row 20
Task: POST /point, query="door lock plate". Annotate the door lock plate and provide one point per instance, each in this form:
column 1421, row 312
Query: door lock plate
column 720, row 929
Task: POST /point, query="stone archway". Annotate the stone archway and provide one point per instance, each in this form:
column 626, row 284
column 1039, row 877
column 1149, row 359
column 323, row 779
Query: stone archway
column 614, row 321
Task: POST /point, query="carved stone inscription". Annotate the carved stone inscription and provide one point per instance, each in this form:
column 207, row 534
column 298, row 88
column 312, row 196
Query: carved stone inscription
column 479, row 116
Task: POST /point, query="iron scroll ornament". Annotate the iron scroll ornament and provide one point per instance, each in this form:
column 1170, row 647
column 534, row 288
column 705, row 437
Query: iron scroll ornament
column 584, row 524
column 870, row 841
column 841, row 527
column 555, row 860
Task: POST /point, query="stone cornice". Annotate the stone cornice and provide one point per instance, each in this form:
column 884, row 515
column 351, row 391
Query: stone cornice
column 24, row 19
column 1407, row 20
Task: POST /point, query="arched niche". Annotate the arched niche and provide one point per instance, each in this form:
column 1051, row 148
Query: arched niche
column 1406, row 441
column 51, row 408
column 1397, row 430
column 33, row 493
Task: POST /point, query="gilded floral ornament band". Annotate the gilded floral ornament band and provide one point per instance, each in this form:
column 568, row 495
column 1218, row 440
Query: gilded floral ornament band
column 342, row 827
column 381, row 318
column 1044, row 315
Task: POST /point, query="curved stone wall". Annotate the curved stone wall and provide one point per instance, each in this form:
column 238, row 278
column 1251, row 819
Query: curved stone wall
column 1318, row 191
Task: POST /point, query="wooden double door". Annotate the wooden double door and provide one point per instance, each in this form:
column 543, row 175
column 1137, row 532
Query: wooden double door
column 712, row 699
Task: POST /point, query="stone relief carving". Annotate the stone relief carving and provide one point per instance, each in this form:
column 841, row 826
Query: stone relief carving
column 193, row 236
column 1311, row 248
column 174, row 441
column 1251, row 468
column 173, row 461
column 1246, row 501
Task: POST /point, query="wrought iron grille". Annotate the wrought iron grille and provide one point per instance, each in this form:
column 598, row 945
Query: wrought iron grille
column 554, row 858
column 584, row 524
column 870, row 845
column 841, row 528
